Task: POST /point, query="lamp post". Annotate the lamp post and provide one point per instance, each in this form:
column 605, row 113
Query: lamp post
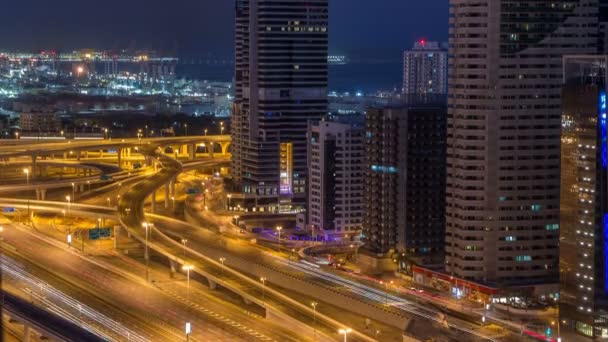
column 263, row 280
column 279, row 229
column 173, row 202
column 345, row 332
column 188, row 268
column 206, row 131
column 314, row 319
column 73, row 191
column 109, row 202
column 186, row 129
column 147, row 225
column 221, row 127
column 184, row 241
column 356, row 251
column 69, row 199
column 27, row 176
column 229, row 196
column 222, row 259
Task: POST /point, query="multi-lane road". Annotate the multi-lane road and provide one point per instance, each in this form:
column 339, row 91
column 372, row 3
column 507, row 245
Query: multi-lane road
column 283, row 288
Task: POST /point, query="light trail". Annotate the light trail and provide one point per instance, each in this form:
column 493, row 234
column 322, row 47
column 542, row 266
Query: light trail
column 65, row 306
column 379, row 296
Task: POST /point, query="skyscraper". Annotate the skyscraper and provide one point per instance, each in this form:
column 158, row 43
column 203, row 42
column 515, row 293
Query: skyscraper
column 425, row 69
column 336, row 169
column 504, row 116
column 280, row 84
column 405, row 181
column 584, row 198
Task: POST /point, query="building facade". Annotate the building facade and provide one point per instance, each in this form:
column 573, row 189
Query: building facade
column 335, row 178
column 425, row 69
column 584, row 198
column 280, row 84
column 405, row 181
column 504, row 117
column 43, row 121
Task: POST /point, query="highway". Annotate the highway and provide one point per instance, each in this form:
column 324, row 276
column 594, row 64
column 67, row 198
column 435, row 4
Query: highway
column 246, row 263
column 49, row 148
column 132, row 217
column 115, row 286
column 45, row 322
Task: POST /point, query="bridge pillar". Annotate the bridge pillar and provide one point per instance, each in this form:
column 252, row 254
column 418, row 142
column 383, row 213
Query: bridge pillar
column 172, row 185
column 212, row 284
column 82, row 187
column 116, row 231
column 40, row 194
column 153, row 202
column 78, row 155
column 192, row 151
column 34, row 157
column 119, row 156
column 173, row 267
column 27, row 333
column 167, row 195
column 211, row 149
column 65, row 155
column 224, row 147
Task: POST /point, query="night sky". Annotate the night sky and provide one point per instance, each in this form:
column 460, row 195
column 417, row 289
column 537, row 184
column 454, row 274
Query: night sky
column 201, row 27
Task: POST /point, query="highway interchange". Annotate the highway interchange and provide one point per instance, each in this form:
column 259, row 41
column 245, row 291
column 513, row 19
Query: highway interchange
column 278, row 291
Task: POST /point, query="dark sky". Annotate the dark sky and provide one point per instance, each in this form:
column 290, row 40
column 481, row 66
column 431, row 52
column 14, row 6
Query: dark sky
column 200, row 27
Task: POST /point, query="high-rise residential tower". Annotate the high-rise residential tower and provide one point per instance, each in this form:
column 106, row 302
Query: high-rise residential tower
column 336, row 170
column 405, row 181
column 584, row 198
column 280, row 84
column 504, row 116
column 425, row 69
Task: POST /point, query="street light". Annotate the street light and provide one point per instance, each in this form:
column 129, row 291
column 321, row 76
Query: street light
column 314, row 319
column 147, row 225
column 73, row 191
column 173, row 200
column 27, row 176
column 279, row 228
column 184, row 241
column 229, row 197
column 206, row 131
column 345, row 332
column 186, row 129
column 188, row 268
column 69, row 199
column 263, row 280
column 109, row 202
column 222, row 259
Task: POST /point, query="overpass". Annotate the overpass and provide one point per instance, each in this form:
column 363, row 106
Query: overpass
column 43, row 322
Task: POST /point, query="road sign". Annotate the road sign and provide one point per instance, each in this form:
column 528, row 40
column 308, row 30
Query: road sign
column 192, row 191
column 97, row 233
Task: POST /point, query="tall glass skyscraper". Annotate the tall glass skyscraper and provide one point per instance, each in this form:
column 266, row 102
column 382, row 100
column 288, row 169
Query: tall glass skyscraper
column 280, row 84
column 584, row 198
column 504, row 115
